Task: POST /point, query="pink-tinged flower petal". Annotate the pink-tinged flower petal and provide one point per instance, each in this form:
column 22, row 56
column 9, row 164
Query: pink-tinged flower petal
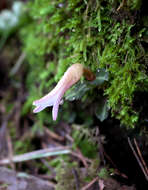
column 44, row 102
column 38, row 109
column 58, row 99
column 71, row 76
column 55, row 109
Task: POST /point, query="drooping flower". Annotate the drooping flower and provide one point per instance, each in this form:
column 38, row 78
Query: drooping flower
column 53, row 98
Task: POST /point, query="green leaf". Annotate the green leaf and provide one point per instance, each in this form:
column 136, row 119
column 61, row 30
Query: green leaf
column 102, row 110
column 77, row 91
column 103, row 173
column 101, row 76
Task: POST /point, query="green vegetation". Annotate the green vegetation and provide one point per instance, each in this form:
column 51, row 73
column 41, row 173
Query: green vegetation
column 95, row 34
column 107, row 36
column 66, row 175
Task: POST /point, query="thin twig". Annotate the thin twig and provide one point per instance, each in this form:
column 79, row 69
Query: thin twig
column 104, row 154
column 3, row 132
column 121, row 5
column 50, row 168
column 90, row 184
column 140, row 155
column 138, row 160
column 80, row 157
column 76, row 178
column 10, row 151
column 114, row 165
column 18, row 64
column 53, row 135
column 68, row 137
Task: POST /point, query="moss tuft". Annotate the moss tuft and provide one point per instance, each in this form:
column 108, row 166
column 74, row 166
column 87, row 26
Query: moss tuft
column 95, row 33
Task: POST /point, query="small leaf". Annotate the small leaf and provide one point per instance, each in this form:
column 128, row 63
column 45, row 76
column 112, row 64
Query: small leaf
column 102, row 110
column 101, row 76
column 77, row 91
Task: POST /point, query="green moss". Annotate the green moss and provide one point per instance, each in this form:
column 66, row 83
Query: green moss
column 84, row 139
column 65, row 176
column 92, row 33
column 103, row 173
column 67, row 173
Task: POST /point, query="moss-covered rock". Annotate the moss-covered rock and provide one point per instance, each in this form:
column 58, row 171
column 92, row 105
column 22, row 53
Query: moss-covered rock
column 99, row 34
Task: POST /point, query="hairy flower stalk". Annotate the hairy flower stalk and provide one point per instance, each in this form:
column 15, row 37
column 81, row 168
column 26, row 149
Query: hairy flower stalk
column 53, row 98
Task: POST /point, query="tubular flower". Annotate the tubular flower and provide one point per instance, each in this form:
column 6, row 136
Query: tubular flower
column 53, row 98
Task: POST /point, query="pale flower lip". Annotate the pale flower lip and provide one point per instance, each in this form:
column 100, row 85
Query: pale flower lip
column 53, row 98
